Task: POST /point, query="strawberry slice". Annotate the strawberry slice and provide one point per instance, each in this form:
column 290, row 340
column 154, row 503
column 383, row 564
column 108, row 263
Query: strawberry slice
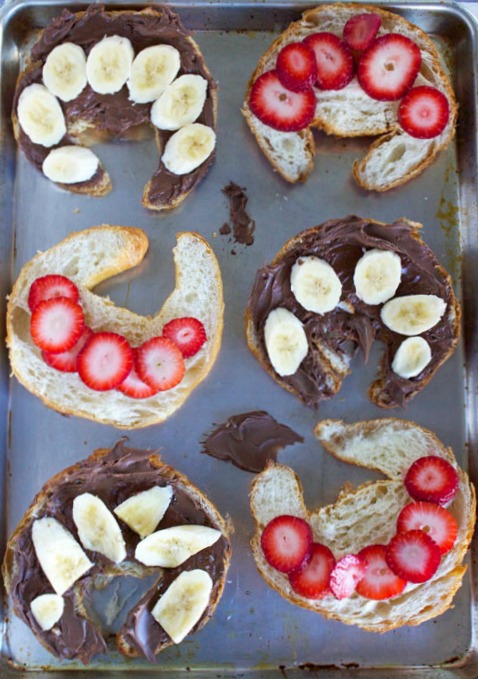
column 296, row 67
column 312, row 581
column 56, row 324
column 346, row 575
column 360, row 30
column 379, row 582
column 159, row 362
column 436, row 521
column 432, row 479
column 388, row 68
column 335, row 62
column 66, row 361
column 424, row 112
column 188, row 333
column 413, row 556
column 133, row 386
column 105, row 361
column 287, row 542
column 280, row 108
column 51, row 286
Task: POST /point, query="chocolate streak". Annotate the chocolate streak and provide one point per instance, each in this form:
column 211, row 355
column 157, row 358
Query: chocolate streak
column 120, row 473
column 250, row 440
column 341, row 243
column 242, row 225
column 115, row 113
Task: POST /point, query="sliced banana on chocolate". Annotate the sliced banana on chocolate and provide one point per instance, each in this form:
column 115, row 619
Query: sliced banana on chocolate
column 47, row 609
column 171, row 547
column 181, row 103
column 108, row 66
column 143, row 512
column 412, row 357
column 40, row 116
column 98, row 529
column 377, row 276
column 153, row 69
column 183, row 603
column 64, row 72
column 413, row 314
column 188, row 148
column 70, row 165
column 315, row 284
column 285, row 340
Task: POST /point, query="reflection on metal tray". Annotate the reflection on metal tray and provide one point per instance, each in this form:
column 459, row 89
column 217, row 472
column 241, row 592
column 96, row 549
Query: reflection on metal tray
column 253, row 631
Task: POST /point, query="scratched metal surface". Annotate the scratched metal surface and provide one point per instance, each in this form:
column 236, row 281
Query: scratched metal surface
column 253, row 630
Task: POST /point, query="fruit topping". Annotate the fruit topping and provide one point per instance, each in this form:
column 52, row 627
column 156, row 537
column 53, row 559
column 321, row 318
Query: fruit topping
column 286, row 542
column 413, row 556
column 50, row 286
column 66, row 360
column 133, row 386
column 379, row 582
column 315, row 284
column 188, row 333
column 360, row 30
column 388, row 68
column 412, row 314
column 278, row 107
column 431, row 518
column 97, row 528
column 57, row 324
column 412, row 357
column 432, row 479
column 159, row 362
column 296, row 66
column 346, row 575
column 312, row 581
column 335, row 62
column 424, row 112
column 105, row 361
column 286, row 341
column 377, row 276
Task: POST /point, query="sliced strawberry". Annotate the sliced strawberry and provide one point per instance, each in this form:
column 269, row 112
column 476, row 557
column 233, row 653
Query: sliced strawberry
column 434, row 520
column 105, row 361
column 296, row 67
column 379, row 582
column 187, row 332
column 413, row 556
column 313, row 580
column 388, row 68
column 346, row 575
column 335, row 62
column 159, row 362
column 280, row 108
column 56, row 324
column 66, row 361
column 134, row 387
column 287, row 542
column 50, row 286
column 424, row 112
column 432, row 479
column 360, row 30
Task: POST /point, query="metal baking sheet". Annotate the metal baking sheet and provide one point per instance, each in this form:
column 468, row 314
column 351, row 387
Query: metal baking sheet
column 253, row 632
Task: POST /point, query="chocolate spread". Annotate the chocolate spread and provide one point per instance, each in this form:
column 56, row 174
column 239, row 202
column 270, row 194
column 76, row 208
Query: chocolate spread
column 242, row 225
column 353, row 325
column 120, row 473
column 249, row 440
column 115, row 113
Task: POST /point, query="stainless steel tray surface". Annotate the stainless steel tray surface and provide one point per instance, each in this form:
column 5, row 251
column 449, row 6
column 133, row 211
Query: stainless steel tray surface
column 254, row 632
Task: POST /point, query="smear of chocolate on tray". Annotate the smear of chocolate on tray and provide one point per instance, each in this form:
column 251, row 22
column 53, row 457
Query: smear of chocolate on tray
column 249, row 440
column 241, row 226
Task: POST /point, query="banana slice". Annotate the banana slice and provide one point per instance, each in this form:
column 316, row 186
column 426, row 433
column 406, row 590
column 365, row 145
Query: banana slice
column 153, row 69
column 70, row 165
column 412, row 356
column 171, row 547
column 286, row 341
column 47, row 609
column 377, row 276
column 181, row 102
column 98, row 529
column 413, row 314
column 183, row 603
column 40, row 116
column 188, row 148
column 108, row 66
column 315, row 284
column 64, row 72
column 60, row 556
column 143, row 512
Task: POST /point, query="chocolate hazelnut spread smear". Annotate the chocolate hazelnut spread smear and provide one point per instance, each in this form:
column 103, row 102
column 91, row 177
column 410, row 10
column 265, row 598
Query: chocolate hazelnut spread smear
column 119, row 474
column 354, row 325
column 115, row 113
column 241, row 224
column 249, row 440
